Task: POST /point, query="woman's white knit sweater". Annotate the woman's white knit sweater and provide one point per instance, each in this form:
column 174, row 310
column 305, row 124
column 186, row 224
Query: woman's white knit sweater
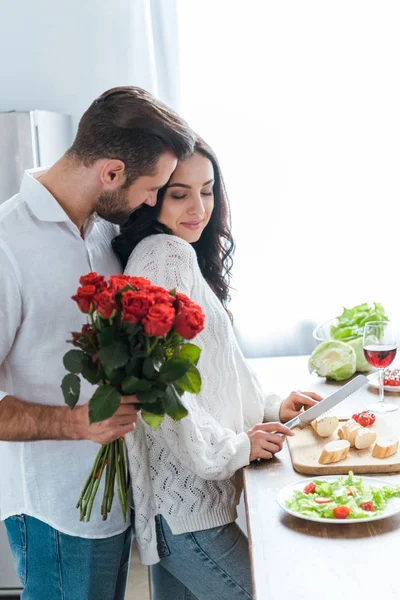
column 188, row 471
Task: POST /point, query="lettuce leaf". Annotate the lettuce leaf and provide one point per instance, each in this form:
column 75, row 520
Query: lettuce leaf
column 352, row 320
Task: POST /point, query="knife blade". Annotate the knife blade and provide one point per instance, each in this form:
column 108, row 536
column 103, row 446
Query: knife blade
column 305, row 418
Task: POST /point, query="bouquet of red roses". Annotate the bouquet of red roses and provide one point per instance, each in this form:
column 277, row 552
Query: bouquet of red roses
column 133, row 343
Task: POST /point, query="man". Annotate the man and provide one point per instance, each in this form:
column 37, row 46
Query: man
column 56, row 229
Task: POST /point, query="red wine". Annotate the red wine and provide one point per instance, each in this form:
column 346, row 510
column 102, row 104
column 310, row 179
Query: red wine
column 380, row 355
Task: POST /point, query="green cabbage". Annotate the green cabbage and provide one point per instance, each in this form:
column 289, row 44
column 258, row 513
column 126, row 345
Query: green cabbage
column 361, row 362
column 332, row 359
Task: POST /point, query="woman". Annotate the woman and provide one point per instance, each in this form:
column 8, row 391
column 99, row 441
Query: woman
column 188, row 472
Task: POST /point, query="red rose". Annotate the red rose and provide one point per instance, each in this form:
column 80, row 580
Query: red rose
column 105, row 304
column 159, row 295
column 159, row 320
column 117, row 282
column 84, row 297
column 86, row 336
column 189, row 321
column 184, row 300
column 139, row 283
column 135, row 306
column 93, row 279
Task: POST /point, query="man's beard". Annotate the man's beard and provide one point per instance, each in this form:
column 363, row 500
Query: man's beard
column 114, row 207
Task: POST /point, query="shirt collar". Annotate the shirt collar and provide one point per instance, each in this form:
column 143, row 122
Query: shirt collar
column 43, row 204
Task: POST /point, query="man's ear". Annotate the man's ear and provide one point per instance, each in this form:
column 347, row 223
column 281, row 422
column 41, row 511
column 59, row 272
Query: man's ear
column 113, row 174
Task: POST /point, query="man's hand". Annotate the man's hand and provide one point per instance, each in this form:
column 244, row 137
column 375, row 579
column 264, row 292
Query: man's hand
column 295, row 403
column 265, row 440
column 122, row 422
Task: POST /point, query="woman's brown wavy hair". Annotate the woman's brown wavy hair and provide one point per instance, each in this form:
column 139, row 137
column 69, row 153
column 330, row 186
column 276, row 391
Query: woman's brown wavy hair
column 215, row 247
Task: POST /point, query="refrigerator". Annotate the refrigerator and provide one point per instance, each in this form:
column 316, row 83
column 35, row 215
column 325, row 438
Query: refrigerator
column 28, row 139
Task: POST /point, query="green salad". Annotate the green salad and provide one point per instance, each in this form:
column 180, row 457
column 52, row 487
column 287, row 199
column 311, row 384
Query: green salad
column 343, row 498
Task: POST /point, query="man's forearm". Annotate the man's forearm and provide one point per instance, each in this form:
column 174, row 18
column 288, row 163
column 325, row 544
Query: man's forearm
column 26, row 421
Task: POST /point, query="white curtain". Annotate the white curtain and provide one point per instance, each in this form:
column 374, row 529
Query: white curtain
column 300, row 100
column 155, row 49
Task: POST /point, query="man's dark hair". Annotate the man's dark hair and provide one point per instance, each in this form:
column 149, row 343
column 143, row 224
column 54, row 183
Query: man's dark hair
column 129, row 124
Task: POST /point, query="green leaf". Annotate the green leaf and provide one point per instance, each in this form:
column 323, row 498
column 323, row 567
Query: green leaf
column 190, row 351
column 114, row 376
column 108, row 335
column 103, row 403
column 73, row 361
column 71, row 388
column 132, row 330
column 132, row 384
column 148, row 368
column 150, row 396
column 115, row 355
column 153, row 420
column 173, row 405
column 90, row 371
column 174, row 369
column 191, row 381
column 131, row 367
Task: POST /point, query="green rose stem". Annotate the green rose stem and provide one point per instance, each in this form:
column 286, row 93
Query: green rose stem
column 108, row 487
column 120, row 480
column 111, row 459
column 98, row 476
column 89, row 483
column 110, row 490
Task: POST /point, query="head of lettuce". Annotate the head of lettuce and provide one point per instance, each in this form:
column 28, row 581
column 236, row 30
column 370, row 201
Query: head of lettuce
column 334, row 360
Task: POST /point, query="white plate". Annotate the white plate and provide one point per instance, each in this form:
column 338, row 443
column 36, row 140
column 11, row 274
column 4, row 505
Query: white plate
column 374, row 381
column 392, row 507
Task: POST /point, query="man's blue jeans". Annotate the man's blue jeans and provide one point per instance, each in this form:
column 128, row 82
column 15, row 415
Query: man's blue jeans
column 54, row 566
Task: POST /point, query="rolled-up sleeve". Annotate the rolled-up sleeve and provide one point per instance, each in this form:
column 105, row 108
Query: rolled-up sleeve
column 10, row 311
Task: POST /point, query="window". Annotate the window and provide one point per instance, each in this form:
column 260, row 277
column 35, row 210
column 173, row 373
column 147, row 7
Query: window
column 300, row 101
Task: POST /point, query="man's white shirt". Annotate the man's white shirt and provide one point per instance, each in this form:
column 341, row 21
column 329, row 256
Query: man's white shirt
column 42, row 257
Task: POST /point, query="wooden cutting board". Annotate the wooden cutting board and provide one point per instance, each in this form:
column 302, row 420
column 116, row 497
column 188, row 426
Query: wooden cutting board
column 306, row 447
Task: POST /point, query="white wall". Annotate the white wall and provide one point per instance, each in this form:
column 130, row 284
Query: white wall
column 59, row 55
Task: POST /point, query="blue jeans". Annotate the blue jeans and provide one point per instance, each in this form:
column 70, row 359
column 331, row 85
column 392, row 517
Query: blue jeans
column 212, row 564
column 54, row 566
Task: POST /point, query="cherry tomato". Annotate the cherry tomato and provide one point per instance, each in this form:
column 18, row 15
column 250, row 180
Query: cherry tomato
column 341, row 512
column 364, row 418
column 368, row 505
column 310, row 488
column 322, row 500
column 392, row 377
column 350, row 493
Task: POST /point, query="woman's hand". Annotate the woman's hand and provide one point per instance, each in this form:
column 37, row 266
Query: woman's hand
column 295, row 403
column 265, row 440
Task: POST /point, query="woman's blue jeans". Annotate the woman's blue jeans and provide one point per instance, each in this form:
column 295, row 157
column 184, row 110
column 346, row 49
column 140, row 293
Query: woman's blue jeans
column 54, row 566
column 212, row 564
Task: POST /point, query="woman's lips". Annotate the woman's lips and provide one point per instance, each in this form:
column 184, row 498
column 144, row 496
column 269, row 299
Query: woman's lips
column 193, row 224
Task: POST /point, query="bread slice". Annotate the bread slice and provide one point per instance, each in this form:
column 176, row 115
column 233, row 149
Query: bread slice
column 348, row 431
column 325, row 425
column 383, row 449
column 334, row 451
column 364, row 438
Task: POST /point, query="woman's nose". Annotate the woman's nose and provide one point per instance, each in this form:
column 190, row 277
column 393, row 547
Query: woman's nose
column 197, row 206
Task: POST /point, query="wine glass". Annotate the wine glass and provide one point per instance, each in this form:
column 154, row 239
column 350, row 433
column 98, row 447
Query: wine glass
column 380, row 348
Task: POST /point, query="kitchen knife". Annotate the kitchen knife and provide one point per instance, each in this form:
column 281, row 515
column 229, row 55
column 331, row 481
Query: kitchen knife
column 305, row 418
